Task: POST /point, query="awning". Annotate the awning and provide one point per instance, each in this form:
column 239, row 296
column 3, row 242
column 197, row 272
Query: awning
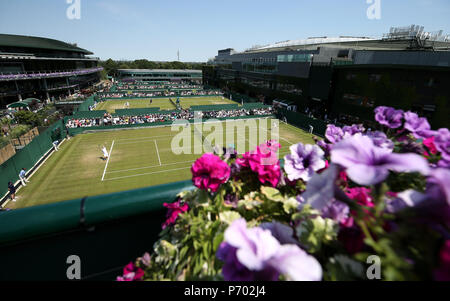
column 19, row 104
column 31, row 100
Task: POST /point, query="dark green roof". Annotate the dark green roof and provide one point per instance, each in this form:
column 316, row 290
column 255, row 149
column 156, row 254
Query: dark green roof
column 36, row 42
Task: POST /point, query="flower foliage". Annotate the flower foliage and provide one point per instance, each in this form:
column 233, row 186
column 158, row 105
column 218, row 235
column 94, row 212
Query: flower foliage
column 355, row 194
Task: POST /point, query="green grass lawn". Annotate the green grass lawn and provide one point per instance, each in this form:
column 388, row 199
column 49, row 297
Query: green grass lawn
column 138, row 158
column 163, row 103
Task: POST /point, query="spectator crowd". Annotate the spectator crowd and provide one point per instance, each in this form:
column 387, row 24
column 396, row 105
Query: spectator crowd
column 113, row 95
column 109, row 119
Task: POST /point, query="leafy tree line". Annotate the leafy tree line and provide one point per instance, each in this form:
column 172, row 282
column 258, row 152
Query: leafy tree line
column 111, row 66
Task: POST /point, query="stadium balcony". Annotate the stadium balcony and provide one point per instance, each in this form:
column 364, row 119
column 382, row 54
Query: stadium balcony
column 47, row 74
column 103, row 231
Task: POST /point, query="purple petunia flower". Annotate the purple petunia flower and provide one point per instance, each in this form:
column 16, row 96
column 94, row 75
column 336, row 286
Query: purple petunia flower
column 368, row 164
column 381, row 140
column 406, row 199
column 431, row 207
column 334, row 133
column 254, row 254
column 283, row 233
column 354, row 129
column 336, row 210
column 438, row 186
column 418, row 126
column 389, row 117
column 324, row 146
column 303, row 161
column 443, row 163
column 442, row 143
column 319, row 191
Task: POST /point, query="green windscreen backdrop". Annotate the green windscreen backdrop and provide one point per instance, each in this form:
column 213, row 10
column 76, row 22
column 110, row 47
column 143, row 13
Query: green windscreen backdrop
column 28, row 156
column 303, row 121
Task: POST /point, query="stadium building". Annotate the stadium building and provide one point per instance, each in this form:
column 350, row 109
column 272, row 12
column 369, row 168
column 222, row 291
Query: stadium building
column 159, row 75
column 345, row 77
column 34, row 67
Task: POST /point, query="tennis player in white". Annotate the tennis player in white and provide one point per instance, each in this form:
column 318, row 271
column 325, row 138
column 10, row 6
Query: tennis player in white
column 105, row 153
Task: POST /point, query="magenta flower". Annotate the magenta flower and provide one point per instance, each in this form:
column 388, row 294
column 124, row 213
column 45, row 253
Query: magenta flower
column 264, row 162
column 209, row 172
column 131, row 273
column 303, row 161
column 429, row 143
column 175, row 209
column 254, row 254
column 367, row 164
column 443, row 272
column 361, row 195
column 389, row 117
column 418, row 126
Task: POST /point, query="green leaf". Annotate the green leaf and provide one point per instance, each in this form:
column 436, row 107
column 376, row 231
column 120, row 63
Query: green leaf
column 217, row 241
column 314, row 232
column 290, row 205
column 229, row 216
column 272, row 194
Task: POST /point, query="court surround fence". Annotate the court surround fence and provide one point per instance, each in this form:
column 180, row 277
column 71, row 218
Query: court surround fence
column 155, row 97
column 302, row 121
column 35, row 242
column 80, row 130
column 30, row 155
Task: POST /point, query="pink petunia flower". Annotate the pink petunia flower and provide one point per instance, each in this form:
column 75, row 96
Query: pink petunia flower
column 264, row 162
column 175, row 209
column 209, row 172
column 429, row 143
column 443, row 272
column 131, row 273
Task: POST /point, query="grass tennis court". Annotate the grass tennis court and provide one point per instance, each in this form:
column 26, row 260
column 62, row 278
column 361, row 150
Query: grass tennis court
column 138, row 158
column 164, row 103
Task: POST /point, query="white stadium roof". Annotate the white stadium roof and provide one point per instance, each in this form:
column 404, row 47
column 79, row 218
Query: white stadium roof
column 313, row 41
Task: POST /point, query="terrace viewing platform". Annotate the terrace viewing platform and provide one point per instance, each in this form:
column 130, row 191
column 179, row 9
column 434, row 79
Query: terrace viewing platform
column 47, row 74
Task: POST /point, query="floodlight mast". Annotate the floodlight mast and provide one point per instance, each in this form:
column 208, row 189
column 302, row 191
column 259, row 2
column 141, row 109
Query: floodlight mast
column 415, row 34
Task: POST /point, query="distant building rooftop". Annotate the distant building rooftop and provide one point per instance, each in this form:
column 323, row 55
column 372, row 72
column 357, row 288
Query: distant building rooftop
column 39, row 43
column 159, row 70
column 315, row 41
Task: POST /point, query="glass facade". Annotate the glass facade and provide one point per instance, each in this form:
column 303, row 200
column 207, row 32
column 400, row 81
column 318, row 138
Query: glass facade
column 295, row 58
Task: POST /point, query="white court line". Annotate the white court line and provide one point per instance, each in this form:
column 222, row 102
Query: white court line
column 109, row 157
column 147, row 167
column 148, row 140
column 148, row 173
column 279, row 136
column 157, row 151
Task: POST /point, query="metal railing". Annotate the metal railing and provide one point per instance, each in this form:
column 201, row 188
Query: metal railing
column 46, row 74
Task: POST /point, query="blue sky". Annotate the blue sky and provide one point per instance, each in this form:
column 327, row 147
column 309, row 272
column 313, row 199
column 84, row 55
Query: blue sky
column 156, row 29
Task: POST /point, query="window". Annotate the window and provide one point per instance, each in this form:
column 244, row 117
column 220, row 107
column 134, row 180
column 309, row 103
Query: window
column 350, row 76
column 359, row 100
column 374, row 78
